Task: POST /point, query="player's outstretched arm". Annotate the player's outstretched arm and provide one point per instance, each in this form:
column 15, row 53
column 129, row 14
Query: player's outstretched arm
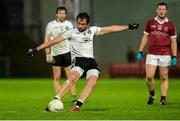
column 117, row 28
column 32, row 51
column 56, row 40
column 141, row 47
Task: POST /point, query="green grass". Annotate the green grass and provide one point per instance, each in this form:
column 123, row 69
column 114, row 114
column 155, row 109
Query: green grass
column 110, row 100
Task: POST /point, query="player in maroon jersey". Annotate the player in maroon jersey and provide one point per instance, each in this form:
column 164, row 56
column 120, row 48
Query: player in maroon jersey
column 160, row 37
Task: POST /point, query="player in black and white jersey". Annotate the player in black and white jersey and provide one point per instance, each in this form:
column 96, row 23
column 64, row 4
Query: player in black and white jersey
column 59, row 55
column 81, row 41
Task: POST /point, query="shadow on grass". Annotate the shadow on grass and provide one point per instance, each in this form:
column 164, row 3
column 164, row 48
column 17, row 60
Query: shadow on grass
column 97, row 109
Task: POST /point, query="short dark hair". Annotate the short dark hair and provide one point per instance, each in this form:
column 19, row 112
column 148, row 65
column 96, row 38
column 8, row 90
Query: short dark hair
column 83, row 15
column 61, row 8
column 164, row 4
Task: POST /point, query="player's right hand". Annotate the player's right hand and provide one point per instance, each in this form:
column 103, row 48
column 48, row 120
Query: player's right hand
column 140, row 56
column 133, row 26
column 49, row 58
column 31, row 51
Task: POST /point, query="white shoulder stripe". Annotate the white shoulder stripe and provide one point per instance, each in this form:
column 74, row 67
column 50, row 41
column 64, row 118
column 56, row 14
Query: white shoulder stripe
column 146, row 33
column 173, row 36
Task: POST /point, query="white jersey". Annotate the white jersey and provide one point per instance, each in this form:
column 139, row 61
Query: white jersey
column 81, row 42
column 55, row 28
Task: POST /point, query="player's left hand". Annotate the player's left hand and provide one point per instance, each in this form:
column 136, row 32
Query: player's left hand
column 133, row 26
column 31, row 51
column 140, row 56
column 173, row 61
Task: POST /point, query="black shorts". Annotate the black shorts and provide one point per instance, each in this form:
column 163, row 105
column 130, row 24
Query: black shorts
column 62, row 60
column 85, row 63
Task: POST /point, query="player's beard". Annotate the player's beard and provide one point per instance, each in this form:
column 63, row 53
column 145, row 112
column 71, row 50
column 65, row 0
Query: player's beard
column 61, row 19
column 81, row 30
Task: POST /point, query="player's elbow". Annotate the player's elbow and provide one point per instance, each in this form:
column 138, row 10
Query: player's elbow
column 113, row 28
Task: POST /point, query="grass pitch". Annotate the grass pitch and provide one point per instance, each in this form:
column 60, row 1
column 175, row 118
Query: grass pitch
column 22, row 99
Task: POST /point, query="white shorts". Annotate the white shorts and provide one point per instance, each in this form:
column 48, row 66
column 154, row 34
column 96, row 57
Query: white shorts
column 158, row 60
column 91, row 72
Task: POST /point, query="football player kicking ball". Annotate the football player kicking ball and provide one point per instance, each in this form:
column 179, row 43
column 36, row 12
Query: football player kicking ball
column 81, row 41
column 160, row 36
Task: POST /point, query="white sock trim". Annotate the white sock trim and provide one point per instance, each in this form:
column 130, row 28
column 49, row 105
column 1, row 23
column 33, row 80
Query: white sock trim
column 80, row 101
column 58, row 97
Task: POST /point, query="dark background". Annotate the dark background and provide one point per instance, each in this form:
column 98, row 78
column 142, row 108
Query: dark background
column 22, row 25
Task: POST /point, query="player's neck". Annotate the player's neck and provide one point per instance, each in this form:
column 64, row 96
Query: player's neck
column 59, row 20
column 161, row 19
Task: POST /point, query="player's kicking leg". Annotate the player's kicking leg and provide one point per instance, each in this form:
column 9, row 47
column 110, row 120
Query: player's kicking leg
column 164, row 84
column 67, row 85
column 56, row 80
column 150, row 72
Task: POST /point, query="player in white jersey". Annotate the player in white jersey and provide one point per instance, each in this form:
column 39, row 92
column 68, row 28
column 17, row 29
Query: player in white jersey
column 81, row 40
column 59, row 55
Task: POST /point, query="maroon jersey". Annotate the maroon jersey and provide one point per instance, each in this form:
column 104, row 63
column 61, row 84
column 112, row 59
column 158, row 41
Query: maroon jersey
column 159, row 36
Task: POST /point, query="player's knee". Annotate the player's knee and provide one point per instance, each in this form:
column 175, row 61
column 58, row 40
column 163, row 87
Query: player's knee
column 163, row 77
column 71, row 82
column 57, row 78
column 150, row 78
column 73, row 78
column 92, row 83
